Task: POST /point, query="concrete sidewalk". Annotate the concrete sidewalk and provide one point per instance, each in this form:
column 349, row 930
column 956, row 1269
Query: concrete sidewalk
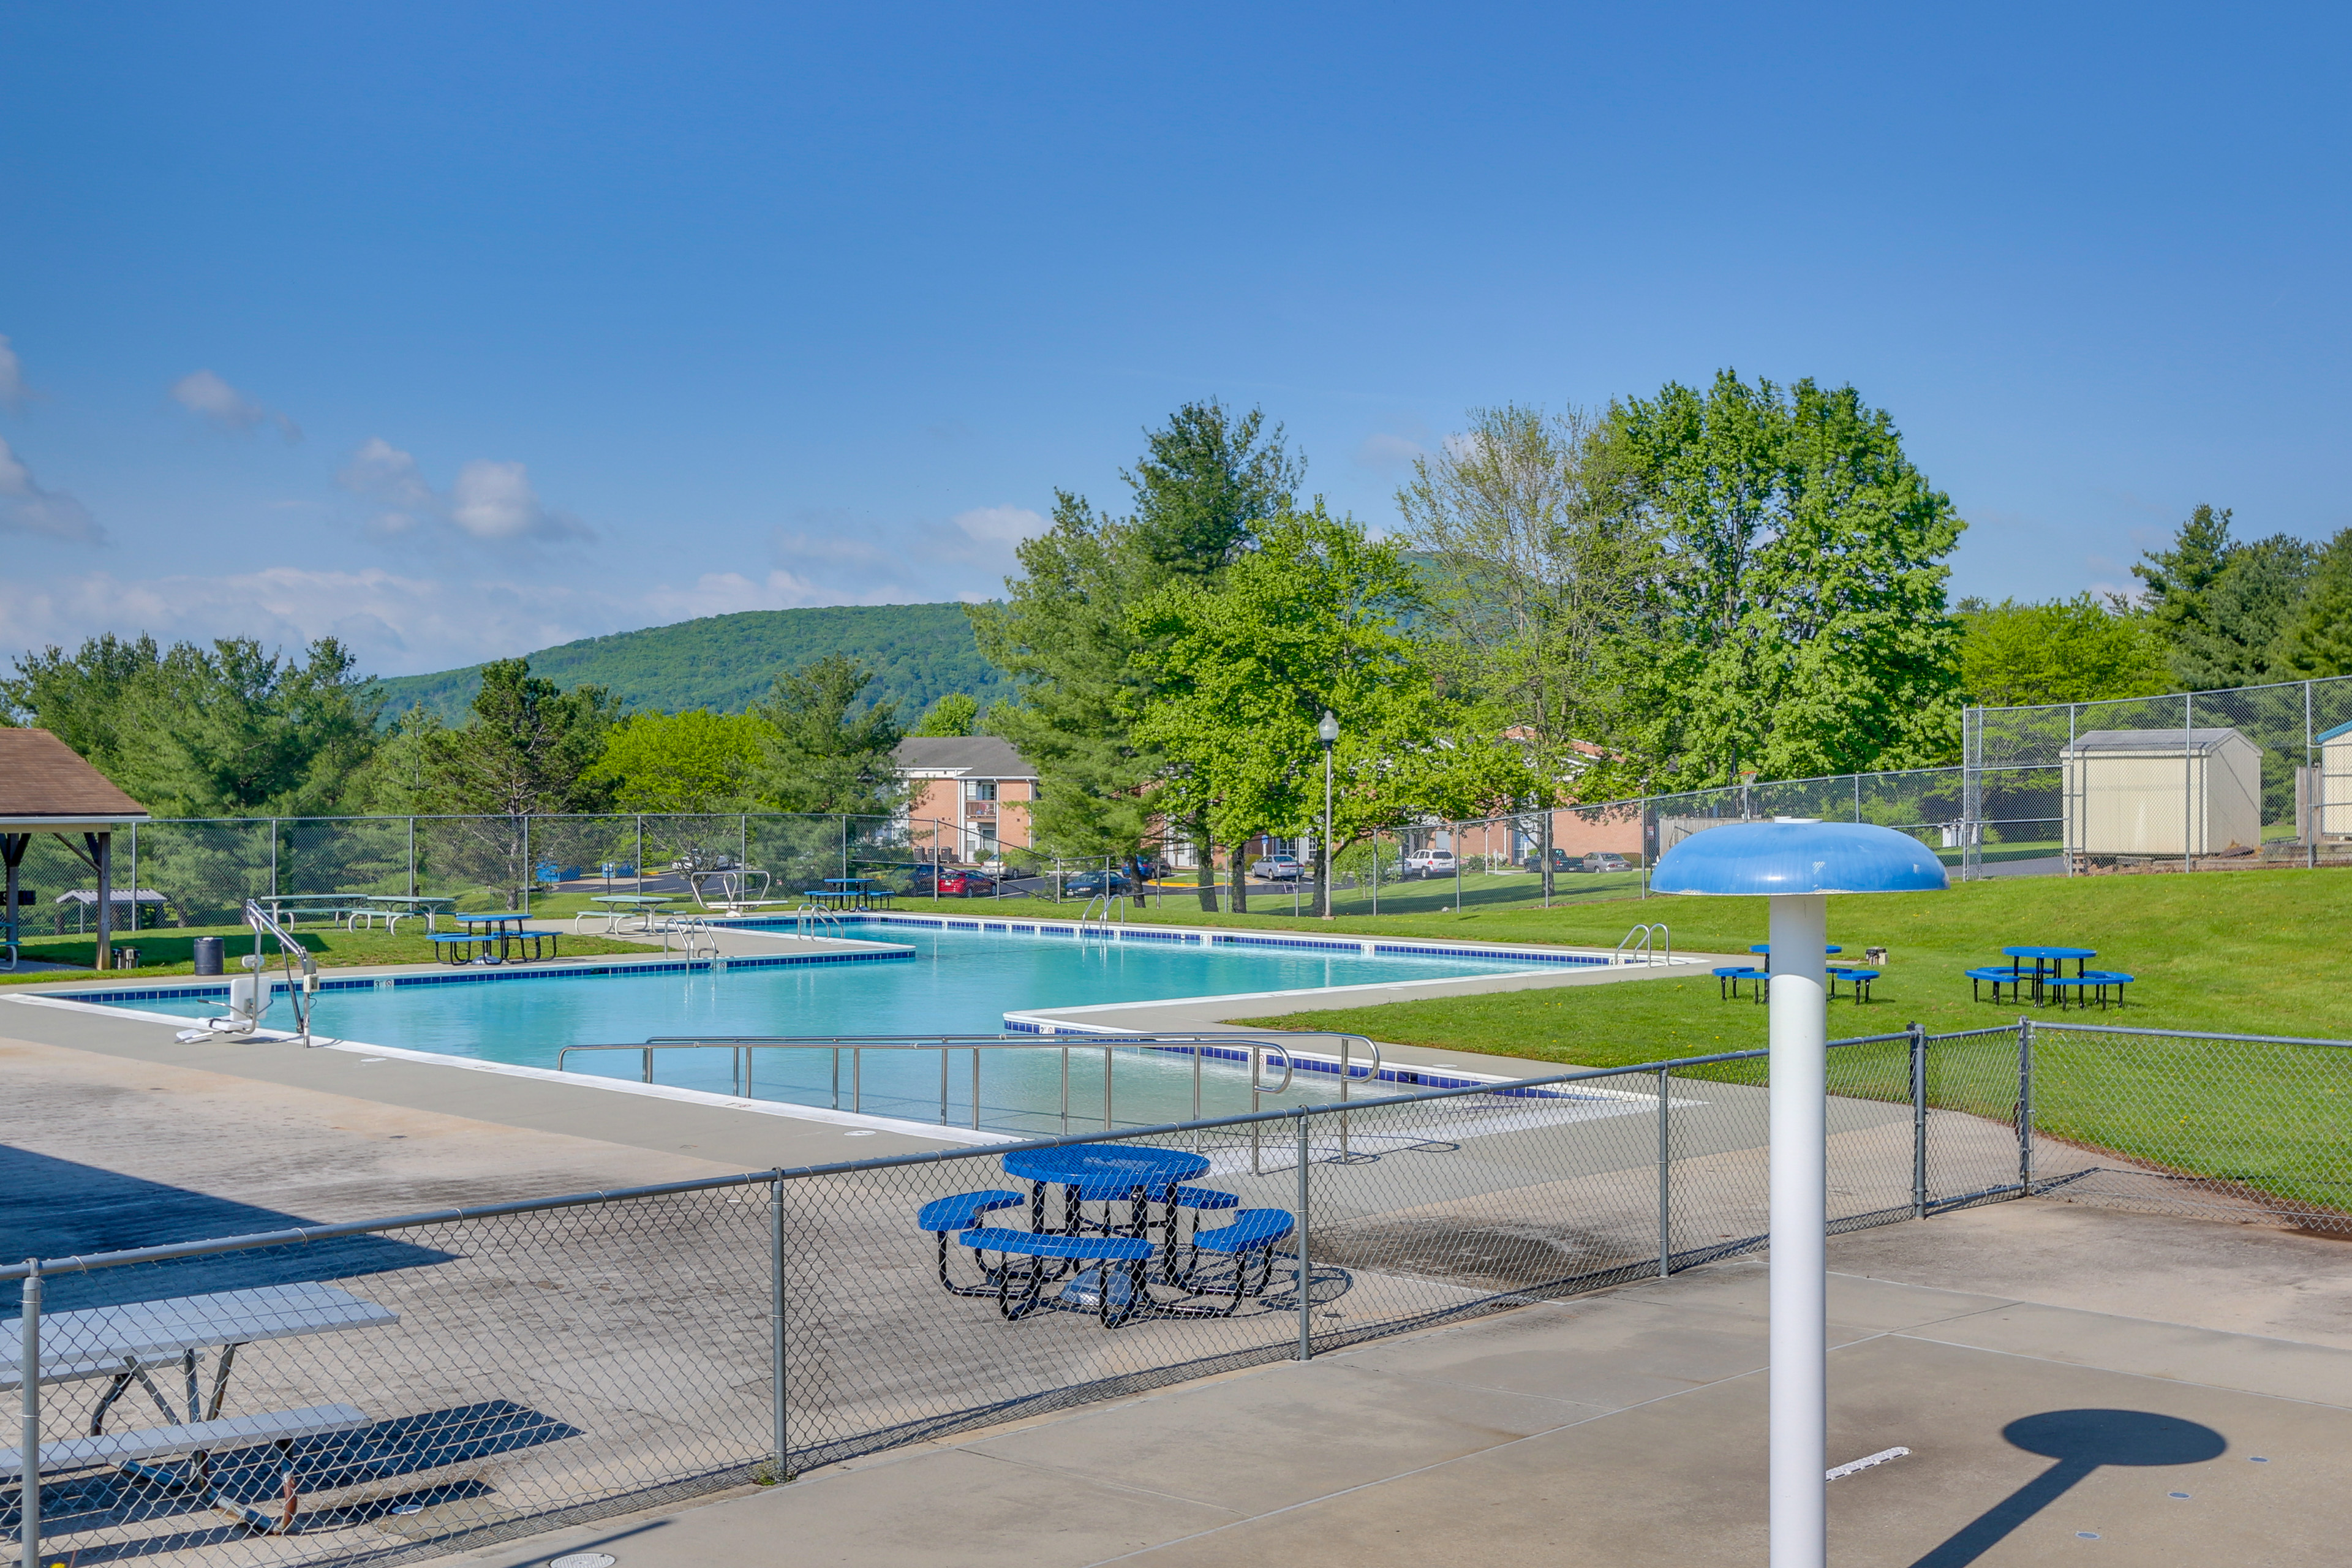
column 1627, row 1427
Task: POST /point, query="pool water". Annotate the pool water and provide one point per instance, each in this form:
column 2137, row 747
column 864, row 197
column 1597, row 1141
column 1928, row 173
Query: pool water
column 957, row 981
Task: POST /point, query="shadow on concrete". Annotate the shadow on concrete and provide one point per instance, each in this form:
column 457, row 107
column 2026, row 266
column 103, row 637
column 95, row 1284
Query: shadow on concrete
column 2081, row 1441
column 54, row 1208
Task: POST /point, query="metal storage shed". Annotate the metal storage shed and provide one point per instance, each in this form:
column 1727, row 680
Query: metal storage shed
column 2334, row 804
column 2163, row 792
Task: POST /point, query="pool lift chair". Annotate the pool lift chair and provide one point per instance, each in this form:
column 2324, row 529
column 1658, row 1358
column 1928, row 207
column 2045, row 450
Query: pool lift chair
column 249, row 994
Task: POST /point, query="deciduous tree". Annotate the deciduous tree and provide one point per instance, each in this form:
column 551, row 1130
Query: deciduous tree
column 1798, row 624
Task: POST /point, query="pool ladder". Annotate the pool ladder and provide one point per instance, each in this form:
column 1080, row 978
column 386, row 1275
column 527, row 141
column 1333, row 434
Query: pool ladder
column 1638, row 940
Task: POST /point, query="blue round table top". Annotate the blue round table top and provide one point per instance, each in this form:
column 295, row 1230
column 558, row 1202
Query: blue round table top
column 2049, row 953
column 1767, row 947
column 1107, row 1170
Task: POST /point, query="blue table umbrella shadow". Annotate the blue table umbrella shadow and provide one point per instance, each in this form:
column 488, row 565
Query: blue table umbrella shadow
column 2081, row 1441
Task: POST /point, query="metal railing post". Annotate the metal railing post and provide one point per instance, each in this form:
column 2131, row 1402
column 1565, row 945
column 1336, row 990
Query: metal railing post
column 975, row 1085
column 776, row 1390
column 1665, row 1181
column 1306, row 1295
column 28, row 1400
column 2025, row 1106
column 1918, row 1121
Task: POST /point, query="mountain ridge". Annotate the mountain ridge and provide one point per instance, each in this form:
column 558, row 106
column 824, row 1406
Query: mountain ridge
column 919, row 652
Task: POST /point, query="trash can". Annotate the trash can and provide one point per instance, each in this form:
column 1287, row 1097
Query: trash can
column 211, row 953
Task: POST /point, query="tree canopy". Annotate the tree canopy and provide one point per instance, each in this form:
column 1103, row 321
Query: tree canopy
column 1797, row 625
column 2069, row 651
column 2221, row 604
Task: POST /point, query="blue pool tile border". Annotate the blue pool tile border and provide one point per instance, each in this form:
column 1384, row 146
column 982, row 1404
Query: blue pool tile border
column 486, row 975
column 1365, row 947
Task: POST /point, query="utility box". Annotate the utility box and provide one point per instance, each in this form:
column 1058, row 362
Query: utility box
column 2163, row 792
column 2332, row 785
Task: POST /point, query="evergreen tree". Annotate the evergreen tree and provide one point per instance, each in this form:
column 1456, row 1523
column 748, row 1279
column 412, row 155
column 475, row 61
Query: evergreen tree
column 2221, row 604
column 823, row 754
column 2317, row 641
column 525, row 750
column 1202, row 485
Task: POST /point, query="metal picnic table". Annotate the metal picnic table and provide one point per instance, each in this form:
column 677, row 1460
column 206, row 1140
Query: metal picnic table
column 861, row 890
column 504, row 931
column 128, row 1342
column 620, row 907
column 2054, row 958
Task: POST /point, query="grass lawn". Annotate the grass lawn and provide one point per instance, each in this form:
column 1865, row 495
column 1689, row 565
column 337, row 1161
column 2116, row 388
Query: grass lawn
column 2256, row 952
column 169, row 952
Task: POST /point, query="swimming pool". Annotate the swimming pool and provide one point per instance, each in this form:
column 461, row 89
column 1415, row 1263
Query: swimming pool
column 957, row 978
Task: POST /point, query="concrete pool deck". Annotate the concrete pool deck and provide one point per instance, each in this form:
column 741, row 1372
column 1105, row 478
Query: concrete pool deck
column 1627, row 1427
column 1623, row 1426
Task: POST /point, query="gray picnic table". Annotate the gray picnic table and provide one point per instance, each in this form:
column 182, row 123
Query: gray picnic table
column 130, row 1342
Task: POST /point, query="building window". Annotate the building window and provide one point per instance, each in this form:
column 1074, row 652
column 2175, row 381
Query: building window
column 980, row 789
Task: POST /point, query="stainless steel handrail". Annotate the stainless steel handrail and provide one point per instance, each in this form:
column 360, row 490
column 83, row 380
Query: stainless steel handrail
column 299, row 989
column 1644, row 947
column 741, row 1047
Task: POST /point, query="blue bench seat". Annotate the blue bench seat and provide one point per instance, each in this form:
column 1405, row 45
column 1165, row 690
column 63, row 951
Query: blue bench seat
column 962, row 1211
column 1997, row 976
column 1727, row 979
column 1113, row 1294
column 1250, row 1237
column 1859, row 979
column 2091, row 986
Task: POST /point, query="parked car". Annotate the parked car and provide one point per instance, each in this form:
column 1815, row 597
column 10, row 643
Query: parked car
column 1429, row 863
column 1093, row 883
column 1604, row 862
column 948, row 882
column 1276, row 868
column 1559, row 861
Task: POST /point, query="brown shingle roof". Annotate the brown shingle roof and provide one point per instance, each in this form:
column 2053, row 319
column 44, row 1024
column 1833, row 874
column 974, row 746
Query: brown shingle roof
column 41, row 776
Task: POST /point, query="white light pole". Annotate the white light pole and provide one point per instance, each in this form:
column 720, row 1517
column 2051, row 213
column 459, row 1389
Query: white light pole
column 1327, row 732
column 1797, row 865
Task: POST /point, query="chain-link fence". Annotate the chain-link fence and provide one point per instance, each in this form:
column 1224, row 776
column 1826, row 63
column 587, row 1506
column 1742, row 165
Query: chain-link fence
column 402, row 1388
column 2196, row 781
column 2201, row 781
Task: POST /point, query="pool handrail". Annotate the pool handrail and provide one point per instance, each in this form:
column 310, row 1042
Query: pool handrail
column 741, row 1047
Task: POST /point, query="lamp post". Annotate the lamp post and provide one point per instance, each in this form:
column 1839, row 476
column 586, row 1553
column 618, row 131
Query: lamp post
column 1798, row 864
column 1327, row 732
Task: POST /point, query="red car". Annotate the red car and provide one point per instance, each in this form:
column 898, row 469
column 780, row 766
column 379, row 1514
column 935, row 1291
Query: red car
column 960, row 884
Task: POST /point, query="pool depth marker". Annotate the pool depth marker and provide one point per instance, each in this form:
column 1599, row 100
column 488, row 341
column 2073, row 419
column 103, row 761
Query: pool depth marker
column 1798, row 864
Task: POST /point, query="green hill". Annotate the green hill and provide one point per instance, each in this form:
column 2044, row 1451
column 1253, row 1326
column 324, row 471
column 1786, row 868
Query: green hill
column 919, row 652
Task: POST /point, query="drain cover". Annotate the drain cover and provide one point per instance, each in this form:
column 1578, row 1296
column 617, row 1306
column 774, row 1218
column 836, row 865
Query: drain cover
column 584, row 1560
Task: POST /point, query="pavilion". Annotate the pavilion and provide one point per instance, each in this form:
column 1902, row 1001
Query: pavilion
column 46, row 787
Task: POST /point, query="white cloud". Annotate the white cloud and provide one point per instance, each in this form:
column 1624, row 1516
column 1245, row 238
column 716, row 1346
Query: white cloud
column 490, row 502
column 1387, row 454
column 850, row 558
column 730, row 593
column 999, row 524
column 12, row 390
column 27, row 508
column 224, row 407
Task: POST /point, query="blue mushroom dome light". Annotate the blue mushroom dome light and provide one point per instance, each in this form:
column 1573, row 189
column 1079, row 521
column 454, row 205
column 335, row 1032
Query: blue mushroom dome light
column 1759, row 858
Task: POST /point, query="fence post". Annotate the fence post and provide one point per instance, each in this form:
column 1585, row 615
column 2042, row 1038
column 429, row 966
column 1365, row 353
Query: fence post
column 1665, row 1181
column 1918, row 1120
column 2025, row 1107
column 776, row 1320
column 412, row 859
column 28, row 1400
column 1306, row 1280
column 273, row 858
column 2308, row 826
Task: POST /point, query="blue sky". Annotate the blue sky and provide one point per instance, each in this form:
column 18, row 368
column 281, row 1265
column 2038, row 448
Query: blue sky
column 457, row 331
